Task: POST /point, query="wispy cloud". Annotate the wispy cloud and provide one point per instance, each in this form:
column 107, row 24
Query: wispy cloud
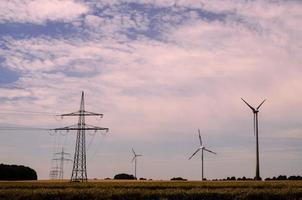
column 40, row 11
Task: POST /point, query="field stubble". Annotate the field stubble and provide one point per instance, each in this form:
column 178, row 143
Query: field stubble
column 157, row 190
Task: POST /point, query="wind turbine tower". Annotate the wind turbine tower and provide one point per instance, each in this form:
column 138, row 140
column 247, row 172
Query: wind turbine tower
column 202, row 148
column 255, row 112
column 135, row 156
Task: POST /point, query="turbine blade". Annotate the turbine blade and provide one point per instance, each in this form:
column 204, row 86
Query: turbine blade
column 200, row 141
column 194, row 153
column 133, row 158
column 133, row 151
column 253, row 109
column 209, row 151
column 261, row 104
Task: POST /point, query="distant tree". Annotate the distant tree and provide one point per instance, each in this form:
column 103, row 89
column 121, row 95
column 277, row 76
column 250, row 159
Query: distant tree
column 142, row 179
column 124, row 176
column 281, row 177
column 284, row 177
column 294, row 178
column 17, row 172
column 244, row 179
column 258, row 179
column 178, row 179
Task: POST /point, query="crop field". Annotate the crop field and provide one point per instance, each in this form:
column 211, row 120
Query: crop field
column 164, row 190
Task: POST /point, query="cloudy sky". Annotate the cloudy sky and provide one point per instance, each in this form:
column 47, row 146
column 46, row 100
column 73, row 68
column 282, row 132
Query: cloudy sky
column 158, row 70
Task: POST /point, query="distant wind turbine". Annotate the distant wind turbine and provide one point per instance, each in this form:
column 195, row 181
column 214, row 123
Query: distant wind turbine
column 255, row 112
column 135, row 160
column 202, row 148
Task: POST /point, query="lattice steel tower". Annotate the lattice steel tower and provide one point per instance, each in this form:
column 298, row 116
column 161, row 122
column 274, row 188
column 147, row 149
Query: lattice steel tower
column 79, row 170
column 61, row 160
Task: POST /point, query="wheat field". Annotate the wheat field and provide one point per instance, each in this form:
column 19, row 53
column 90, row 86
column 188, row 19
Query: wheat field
column 157, row 190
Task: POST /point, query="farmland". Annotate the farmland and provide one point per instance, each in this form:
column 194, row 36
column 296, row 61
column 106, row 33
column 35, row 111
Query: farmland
column 118, row 190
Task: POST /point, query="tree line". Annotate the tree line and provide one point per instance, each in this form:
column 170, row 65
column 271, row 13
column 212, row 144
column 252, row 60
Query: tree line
column 233, row 178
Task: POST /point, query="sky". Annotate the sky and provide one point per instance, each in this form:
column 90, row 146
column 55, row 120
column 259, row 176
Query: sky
column 158, row 70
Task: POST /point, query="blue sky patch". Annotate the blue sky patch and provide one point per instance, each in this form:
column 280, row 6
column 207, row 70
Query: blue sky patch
column 7, row 76
column 27, row 30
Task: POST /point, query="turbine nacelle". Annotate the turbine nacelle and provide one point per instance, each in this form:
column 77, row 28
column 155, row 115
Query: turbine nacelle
column 201, row 147
column 255, row 110
column 135, row 155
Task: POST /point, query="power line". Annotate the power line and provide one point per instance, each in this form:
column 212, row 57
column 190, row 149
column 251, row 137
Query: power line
column 11, row 128
column 17, row 112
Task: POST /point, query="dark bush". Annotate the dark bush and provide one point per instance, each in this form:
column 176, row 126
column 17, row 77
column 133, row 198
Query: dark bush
column 284, row 177
column 16, row 172
column 281, row 177
column 245, row 179
column 178, row 179
column 294, row 178
column 124, row 176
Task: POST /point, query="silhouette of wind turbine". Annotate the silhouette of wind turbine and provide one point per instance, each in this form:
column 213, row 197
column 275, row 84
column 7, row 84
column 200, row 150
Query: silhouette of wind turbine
column 202, row 148
column 135, row 159
column 255, row 112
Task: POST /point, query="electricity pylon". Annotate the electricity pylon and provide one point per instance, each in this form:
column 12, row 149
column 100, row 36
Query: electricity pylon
column 79, row 170
column 53, row 174
column 61, row 160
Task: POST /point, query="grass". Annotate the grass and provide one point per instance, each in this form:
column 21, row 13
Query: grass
column 155, row 190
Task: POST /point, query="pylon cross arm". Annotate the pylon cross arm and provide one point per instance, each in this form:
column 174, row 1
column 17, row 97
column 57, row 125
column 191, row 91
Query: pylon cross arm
column 65, row 159
column 85, row 127
column 62, row 153
column 82, row 113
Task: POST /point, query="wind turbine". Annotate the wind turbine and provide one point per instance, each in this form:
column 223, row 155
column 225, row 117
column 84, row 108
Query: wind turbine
column 135, row 160
column 255, row 112
column 202, row 148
